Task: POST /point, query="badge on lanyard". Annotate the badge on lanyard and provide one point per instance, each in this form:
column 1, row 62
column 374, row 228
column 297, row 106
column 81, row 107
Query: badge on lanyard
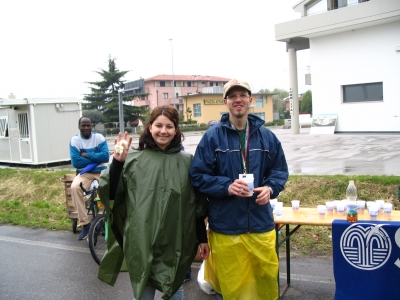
column 249, row 178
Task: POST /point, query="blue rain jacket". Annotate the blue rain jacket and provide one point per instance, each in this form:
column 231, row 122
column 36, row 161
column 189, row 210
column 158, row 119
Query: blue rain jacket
column 217, row 163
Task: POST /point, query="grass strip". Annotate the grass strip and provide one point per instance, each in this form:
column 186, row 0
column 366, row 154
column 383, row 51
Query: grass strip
column 36, row 199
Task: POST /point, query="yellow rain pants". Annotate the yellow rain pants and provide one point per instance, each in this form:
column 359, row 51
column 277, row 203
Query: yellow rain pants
column 243, row 267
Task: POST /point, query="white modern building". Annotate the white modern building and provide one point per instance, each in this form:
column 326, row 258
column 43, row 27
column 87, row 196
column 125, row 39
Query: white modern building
column 355, row 61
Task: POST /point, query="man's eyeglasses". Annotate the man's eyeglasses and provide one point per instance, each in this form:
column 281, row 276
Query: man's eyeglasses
column 241, row 96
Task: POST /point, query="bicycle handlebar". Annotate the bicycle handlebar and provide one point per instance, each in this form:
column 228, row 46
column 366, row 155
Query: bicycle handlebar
column 83, row 189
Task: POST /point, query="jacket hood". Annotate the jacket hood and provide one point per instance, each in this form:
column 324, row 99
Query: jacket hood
column 169, row 151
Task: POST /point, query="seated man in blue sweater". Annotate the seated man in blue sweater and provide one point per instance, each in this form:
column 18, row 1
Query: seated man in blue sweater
column 86, row 148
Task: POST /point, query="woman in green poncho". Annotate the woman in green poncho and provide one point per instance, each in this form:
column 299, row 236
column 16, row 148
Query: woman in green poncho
column 156, row 218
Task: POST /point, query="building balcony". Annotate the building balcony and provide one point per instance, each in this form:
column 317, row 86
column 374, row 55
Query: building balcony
column 177, row 101
column 141, row 103
column 310, row 7
column 346, row 18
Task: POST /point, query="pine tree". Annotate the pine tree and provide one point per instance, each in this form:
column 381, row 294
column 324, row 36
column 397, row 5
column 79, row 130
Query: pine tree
column 104, row 96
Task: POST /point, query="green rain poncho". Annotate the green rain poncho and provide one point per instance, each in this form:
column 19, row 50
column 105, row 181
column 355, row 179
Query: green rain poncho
column 153, row 221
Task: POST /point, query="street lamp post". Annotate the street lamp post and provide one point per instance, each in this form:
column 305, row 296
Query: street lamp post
column 121, row 111
column 173, row 81
column 121, row 108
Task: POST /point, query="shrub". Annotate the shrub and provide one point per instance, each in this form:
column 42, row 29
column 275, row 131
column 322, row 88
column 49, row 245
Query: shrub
column 275, row 123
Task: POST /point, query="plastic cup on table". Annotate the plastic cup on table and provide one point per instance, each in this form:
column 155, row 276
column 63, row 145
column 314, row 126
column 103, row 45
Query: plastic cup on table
column 373, row 212
column 370, row 203
column 380, row 204
column 335, row 203
column 295, row 204
column 387, row 209
column 329, row 207
column 360, row 206
column 344, row 201
column 321, row 210
column 278, row 209
column 340, row 208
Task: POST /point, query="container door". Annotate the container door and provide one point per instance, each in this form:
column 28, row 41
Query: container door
column 24, row 137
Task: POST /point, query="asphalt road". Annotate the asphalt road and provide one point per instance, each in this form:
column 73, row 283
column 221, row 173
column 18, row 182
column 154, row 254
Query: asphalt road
column 48, row 265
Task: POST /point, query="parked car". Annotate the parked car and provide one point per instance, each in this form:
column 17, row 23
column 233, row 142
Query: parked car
column 212, row 123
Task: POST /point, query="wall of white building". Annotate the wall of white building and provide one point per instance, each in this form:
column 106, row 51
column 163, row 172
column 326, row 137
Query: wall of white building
column 360, row 56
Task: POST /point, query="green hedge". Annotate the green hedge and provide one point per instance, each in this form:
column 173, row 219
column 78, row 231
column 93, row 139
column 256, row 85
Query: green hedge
column 275, row 123
column 201, row 127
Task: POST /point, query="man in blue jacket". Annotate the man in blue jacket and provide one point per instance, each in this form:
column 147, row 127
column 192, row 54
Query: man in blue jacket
column 86, row 148
column 242, row 236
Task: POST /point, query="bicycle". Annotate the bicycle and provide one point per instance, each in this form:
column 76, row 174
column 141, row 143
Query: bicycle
column 97, row 237
column 98, row 232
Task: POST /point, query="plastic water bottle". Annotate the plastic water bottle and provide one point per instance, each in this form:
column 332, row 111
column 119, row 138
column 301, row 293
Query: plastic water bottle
column 351, row 195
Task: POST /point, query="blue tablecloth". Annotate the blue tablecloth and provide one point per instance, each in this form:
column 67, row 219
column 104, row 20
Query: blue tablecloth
column 366, row 260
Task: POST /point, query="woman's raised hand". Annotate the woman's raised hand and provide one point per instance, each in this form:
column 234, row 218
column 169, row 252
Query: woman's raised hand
column 121, row 146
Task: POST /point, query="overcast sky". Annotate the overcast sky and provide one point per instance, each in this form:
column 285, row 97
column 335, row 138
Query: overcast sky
column 52, row 48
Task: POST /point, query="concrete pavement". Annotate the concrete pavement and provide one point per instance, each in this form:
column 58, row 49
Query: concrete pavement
column 323, row 154
column 345, row 154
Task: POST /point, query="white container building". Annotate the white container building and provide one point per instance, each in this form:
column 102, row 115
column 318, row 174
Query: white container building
column 37, row 131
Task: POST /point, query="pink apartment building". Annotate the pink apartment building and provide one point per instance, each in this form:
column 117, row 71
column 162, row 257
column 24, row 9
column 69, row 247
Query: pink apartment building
column 169, row 89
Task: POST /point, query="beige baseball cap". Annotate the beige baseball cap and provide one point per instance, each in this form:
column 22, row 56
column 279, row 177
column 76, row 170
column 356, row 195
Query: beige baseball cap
column 234, row 82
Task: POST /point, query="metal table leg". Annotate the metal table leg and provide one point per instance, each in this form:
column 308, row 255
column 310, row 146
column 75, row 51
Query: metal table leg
column 286, row 240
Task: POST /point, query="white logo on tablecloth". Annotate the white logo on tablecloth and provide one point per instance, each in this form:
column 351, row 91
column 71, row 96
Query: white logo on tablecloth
column 366, row 246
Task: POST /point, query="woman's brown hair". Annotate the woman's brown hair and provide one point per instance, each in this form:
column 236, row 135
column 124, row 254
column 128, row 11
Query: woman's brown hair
column 146, row 140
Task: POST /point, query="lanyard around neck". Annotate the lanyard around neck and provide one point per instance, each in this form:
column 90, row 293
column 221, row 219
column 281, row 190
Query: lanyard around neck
column 244, row 151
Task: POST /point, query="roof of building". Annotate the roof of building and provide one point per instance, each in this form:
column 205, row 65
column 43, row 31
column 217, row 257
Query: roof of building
column 202, row 94
column 7, row 102
column 188, row 77
column 300, row 2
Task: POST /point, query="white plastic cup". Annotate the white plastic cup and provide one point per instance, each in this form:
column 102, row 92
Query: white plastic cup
column 335, row 203
column 278, row 209
column 373, row 212
column 329, row 206
column 361, row 206
column 340, row 208
column 387, row 208
column 295, row 204
column 380, row 202
column 370, row 203
column 321, row 210
column 273, row 202
column 344, row 202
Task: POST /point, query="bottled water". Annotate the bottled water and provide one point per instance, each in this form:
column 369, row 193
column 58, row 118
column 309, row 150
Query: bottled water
column 351, row 195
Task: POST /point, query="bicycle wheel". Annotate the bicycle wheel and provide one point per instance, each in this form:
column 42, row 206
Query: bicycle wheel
column 97, row 238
